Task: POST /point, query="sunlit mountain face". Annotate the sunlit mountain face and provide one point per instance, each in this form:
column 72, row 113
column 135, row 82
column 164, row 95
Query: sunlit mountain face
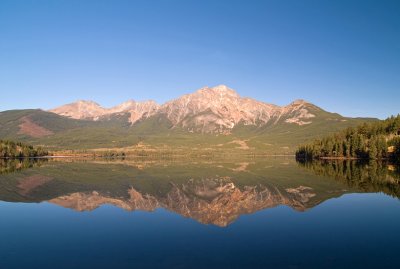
column 211, row 117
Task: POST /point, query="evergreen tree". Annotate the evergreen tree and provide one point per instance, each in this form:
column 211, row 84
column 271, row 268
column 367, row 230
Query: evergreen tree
column 372, row 151
column 367, row 141
column 10, row 149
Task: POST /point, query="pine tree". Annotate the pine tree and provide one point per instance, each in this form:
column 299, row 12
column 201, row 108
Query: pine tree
column 365, row 141
column 372, row 151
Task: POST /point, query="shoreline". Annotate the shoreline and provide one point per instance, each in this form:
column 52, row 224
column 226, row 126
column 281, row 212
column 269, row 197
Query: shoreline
column 90, row 156
column 343, row 159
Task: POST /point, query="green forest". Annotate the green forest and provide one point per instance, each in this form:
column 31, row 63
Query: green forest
column 369, row 141
column 11, row 149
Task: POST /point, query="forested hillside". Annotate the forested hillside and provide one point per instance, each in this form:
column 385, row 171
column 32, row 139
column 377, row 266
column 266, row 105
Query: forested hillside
column 375, row 140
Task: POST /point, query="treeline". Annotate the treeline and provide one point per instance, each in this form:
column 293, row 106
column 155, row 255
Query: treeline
column 11, row 149
column 371, row 176
column 374, row 141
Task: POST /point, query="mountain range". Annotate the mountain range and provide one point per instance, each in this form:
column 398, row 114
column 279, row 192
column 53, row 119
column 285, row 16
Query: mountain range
column 208, row 110
column 211, row 117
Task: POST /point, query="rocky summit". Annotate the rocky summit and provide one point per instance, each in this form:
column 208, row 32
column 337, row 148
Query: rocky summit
column 209, row 110
column 93, row 111
column 211, row 118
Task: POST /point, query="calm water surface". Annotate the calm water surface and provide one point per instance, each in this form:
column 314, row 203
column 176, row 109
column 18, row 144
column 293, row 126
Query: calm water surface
column 271, row 213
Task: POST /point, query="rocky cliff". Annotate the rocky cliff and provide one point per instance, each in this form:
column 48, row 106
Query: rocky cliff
column 209, row 110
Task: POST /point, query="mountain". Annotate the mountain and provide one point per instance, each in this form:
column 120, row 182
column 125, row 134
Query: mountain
column 220, row 109
column 90, row 110
column 81, row 110
column 209, row 118
column 208, row 110
column 217, row 109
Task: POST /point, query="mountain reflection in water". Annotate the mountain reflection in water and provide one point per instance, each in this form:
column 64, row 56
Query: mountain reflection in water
column 208, row 191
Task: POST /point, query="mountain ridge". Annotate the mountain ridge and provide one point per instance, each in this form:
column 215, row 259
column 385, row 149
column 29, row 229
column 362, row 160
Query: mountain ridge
column 220, row 107
column 214, row 118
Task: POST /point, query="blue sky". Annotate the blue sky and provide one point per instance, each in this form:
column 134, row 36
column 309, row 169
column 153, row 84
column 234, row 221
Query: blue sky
column 344, row 56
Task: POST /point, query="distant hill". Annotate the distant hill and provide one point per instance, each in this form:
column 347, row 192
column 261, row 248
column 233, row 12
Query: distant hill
column 215, row 118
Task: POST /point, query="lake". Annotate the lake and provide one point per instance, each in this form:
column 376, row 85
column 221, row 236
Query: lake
column 249, row 213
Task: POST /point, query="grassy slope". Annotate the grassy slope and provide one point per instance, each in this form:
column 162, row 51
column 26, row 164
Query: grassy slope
column 10, row 121
column 285, row 137
column 157, row 131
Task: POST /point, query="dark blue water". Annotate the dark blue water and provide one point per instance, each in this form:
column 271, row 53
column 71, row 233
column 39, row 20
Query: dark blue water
column 352, row 230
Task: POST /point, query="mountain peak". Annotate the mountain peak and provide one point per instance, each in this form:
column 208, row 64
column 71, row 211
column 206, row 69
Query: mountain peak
column 123, row 106
column 209, row 109
column 85, row 102
column 85, row 109
column 299, row 102
column 222, row 88
column 80, row 109
column 219, row 89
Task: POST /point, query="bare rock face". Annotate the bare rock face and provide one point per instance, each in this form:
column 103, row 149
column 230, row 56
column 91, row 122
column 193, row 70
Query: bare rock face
column 80, row 110
column 137, row 110
column 92, row 111
column 208, row 110
column 217, row 109
column 298, row 113
column 220, row 109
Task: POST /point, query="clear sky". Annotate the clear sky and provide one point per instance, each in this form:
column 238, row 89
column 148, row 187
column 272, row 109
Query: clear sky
column 343, row 56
